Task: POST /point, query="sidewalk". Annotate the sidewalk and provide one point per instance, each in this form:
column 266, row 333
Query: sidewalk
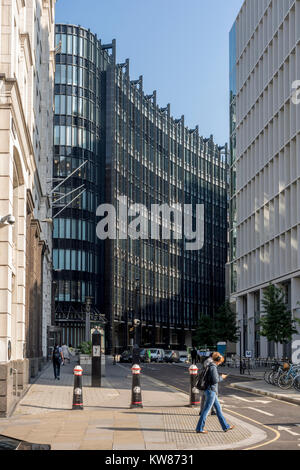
column 45, row 416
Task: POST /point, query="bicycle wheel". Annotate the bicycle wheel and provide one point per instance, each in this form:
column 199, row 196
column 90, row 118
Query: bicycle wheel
column 272, row 377
column 296, row 383
column 267, row 376
column 285, row 381
column 276, row 377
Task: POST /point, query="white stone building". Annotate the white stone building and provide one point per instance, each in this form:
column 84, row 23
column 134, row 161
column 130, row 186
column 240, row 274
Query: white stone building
column 26, row 146
column 265, row 148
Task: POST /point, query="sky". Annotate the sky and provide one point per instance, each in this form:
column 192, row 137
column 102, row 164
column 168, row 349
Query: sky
column 181, row 47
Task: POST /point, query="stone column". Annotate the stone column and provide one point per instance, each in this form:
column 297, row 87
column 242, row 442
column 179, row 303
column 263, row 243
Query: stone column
column 263, row 340
column 251, row 322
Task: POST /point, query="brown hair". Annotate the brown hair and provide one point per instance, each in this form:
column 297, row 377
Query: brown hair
column 217, row 357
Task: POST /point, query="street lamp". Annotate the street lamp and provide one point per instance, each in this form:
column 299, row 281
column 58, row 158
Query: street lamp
column 136, row 325
column 240, row 327
column 137, row 320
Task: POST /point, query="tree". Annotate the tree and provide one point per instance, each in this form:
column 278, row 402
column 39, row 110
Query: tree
column 277, row 324
column 205, row 333
column 225, row 324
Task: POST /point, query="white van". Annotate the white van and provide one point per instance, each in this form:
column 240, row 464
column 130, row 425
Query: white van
column 157, row 355
column 183, row 357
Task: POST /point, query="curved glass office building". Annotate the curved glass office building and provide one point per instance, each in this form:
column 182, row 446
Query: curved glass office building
column 79, row 138
column 135, row 150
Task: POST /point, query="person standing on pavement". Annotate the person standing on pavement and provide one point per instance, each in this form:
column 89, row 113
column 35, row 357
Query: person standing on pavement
column 194, row 355
column 206, row 363
column 66, row 352
column 211, row 398
column 57, row 359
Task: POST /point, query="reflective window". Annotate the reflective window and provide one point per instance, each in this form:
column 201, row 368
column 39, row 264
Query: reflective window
column 70, row 45
column 61, row 262
column 55, row 259
column 75, row 47
column 63, row 44
column 68, row 259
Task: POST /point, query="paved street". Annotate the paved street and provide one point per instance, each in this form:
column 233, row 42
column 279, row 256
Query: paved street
column 166, row 422
column 280, row 420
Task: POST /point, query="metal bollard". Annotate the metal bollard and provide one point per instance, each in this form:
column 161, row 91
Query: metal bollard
column 194, row 392
column 136, row 393
column 77, row 392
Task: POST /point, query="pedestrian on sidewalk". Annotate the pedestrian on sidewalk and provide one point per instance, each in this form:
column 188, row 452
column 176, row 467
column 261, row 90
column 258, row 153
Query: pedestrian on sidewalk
column 244, row 367
column 211, row 398
column 57, row 359
column 149, row 355
column 213, row 412
column 194, row 355
column 66, row 353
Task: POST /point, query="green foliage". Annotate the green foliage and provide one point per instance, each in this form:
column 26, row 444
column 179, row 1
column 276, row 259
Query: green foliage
column 205, row 333
column 277, row 324
column 221, row 328
column 225, row 324
column 85, row 347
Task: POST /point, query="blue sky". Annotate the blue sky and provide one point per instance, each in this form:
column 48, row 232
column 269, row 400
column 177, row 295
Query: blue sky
column 180, row 47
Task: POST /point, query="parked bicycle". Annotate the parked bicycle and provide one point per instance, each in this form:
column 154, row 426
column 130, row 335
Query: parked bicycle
column 287, row 379
column 296, row 383
column 269, row 373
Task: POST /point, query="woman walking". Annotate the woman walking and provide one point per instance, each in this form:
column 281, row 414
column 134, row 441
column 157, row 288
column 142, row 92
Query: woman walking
column 211, row 397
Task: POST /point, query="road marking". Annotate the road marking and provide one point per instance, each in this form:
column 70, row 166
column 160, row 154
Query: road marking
column 239, row 398
column 259, row 411
column 260, row 424
column 259, row 394
column 264, row 402
column 283, row 428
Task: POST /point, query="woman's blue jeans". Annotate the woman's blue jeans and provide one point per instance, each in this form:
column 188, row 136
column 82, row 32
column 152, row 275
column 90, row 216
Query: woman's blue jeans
column 211, row 400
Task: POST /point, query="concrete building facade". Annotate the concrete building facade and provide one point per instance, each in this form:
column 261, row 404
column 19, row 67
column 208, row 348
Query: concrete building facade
column 26, row 147
column 265, row 150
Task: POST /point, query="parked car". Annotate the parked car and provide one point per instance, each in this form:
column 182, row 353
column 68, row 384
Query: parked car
column 183, row 356
column 157, row 355
column 126, row 356
column 168, row 356
column 171, row 356
column 143, row 355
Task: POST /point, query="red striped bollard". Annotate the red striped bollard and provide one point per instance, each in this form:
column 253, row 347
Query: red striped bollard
column 77, row 392
column 136, row 393
column 194, row 392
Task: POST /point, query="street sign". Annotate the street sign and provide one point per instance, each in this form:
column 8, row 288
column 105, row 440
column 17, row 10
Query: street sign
column 96, row 351
column 249, row 354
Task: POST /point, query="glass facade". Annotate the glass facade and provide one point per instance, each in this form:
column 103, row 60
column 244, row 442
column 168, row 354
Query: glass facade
column 155, row 159
column 135, row 149
column 79, row 136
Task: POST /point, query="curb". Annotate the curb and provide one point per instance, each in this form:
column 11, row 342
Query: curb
column 266, row 393
column 237, row 376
